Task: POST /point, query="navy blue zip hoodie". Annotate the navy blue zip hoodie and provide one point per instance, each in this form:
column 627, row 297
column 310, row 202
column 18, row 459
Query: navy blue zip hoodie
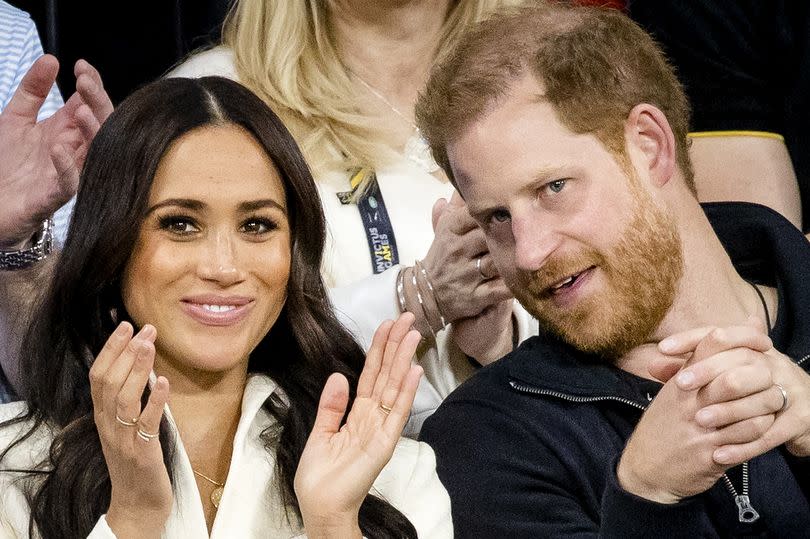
column 528, row 446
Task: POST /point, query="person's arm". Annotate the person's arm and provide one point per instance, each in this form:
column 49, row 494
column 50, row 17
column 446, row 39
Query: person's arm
column 507, row 479
column 748, row 168
column 19, row 293
column 723, row 53
column 410, row 483
column 39, row 172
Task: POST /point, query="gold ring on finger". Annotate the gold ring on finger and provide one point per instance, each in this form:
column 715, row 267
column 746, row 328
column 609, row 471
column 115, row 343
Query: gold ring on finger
column 125, row 422
column 145, row 436
column 386, row 409
column 784, row 398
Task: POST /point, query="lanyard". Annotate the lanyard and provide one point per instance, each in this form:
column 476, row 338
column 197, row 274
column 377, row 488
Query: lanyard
column 382, row 245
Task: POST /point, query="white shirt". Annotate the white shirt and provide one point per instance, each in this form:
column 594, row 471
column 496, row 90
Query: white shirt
column 250, row 505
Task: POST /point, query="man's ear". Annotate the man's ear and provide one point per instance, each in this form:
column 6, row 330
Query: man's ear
column 648, row 130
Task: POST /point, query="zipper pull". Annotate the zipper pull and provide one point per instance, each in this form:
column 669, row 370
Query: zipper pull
column 747, row 512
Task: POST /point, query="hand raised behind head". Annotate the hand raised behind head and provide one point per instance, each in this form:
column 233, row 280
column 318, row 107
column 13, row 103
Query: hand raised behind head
column 40, row 161
column 463, row 287
column 341, row 461
column 141, row 496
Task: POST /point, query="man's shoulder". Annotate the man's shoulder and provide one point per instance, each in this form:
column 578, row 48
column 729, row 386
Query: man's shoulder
column 10, row 15
column 491, row 395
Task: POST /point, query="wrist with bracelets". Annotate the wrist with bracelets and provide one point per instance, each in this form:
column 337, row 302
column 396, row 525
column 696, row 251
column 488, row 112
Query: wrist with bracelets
column 416, row 279
column 38, row 248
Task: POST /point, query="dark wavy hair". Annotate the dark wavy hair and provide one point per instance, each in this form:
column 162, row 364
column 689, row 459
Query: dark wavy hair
column 83, row 305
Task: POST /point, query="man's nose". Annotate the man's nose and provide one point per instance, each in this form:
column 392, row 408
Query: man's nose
column 534, row 242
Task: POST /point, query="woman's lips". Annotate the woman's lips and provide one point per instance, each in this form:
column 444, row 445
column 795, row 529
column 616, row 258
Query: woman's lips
column 211, row 311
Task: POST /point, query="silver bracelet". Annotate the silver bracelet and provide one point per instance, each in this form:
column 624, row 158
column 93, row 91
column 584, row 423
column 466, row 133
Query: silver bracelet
column 422, row 304
column 401, row 290
column 422, row 270
column 27, row 257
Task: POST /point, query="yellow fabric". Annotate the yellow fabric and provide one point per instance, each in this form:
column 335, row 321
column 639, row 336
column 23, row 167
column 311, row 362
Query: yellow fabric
column 738, row 133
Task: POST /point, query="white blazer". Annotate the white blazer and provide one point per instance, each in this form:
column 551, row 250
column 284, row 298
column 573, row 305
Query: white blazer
column 250, row 505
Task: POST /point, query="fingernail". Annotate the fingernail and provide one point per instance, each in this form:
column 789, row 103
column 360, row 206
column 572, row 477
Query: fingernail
column 704, row 417
column 147, row 331
column 721, row 456
column 667, row 345
column 121, row 330
column 685, row 379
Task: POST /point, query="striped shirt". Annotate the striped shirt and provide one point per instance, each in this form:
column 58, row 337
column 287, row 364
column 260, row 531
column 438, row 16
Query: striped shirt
column 19, row 47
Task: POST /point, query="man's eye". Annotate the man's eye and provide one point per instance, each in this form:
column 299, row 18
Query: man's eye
column 556, row 186
column 178, row 225
column 258, row 226
column 500, row 216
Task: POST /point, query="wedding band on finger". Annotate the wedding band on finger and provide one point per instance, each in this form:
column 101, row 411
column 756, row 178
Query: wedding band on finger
column 386, row 409
column 480, row 271
column 145, row 436
column 784, row 398
column 125, row 422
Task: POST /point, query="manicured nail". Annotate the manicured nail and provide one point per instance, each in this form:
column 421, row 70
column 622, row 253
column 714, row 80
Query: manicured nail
column 704, row 417
column 686, row 379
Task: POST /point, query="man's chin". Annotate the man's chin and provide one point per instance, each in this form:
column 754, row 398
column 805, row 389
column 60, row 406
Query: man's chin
column 590, row 329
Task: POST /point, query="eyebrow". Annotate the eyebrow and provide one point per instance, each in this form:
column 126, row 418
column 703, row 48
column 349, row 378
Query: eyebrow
column 539, row 176
column 197, row 205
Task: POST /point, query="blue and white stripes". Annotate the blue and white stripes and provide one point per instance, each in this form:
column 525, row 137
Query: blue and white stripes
column 19, row 47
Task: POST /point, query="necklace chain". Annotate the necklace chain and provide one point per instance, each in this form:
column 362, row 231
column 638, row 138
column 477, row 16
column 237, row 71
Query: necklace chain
column 764, row 306
column 382, row 98
column 416, row 148
column 207, row 478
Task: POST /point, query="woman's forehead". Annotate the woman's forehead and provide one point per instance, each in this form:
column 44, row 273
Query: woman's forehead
column 217, row 163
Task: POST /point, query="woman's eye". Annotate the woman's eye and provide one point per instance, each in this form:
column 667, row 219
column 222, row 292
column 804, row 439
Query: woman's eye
column 556, row 186
column 178, row 225
column 258, row 226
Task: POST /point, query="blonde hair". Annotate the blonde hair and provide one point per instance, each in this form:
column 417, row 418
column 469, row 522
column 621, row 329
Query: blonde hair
column 285, row 53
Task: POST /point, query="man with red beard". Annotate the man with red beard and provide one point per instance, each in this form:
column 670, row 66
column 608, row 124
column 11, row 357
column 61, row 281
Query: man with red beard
column 666, row 394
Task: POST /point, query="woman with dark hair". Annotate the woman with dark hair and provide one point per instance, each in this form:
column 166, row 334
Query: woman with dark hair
column 195, row 223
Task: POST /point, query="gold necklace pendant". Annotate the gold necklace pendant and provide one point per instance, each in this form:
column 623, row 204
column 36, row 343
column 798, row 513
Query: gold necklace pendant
column 216, row 496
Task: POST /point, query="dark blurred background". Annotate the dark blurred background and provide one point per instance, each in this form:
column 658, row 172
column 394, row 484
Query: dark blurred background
column 130, row 43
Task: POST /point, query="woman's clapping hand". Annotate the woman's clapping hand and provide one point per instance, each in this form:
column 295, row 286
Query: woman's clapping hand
column 341, row 460
column 141, row 497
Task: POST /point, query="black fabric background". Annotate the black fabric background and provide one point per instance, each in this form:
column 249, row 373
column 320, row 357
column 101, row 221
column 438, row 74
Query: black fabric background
column 131, row 43
column 745, row 64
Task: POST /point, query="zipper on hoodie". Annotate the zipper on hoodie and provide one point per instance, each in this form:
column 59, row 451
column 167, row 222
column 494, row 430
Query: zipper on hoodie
column 745, row 511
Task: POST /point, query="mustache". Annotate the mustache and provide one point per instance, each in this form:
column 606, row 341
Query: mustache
column 559, row 268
